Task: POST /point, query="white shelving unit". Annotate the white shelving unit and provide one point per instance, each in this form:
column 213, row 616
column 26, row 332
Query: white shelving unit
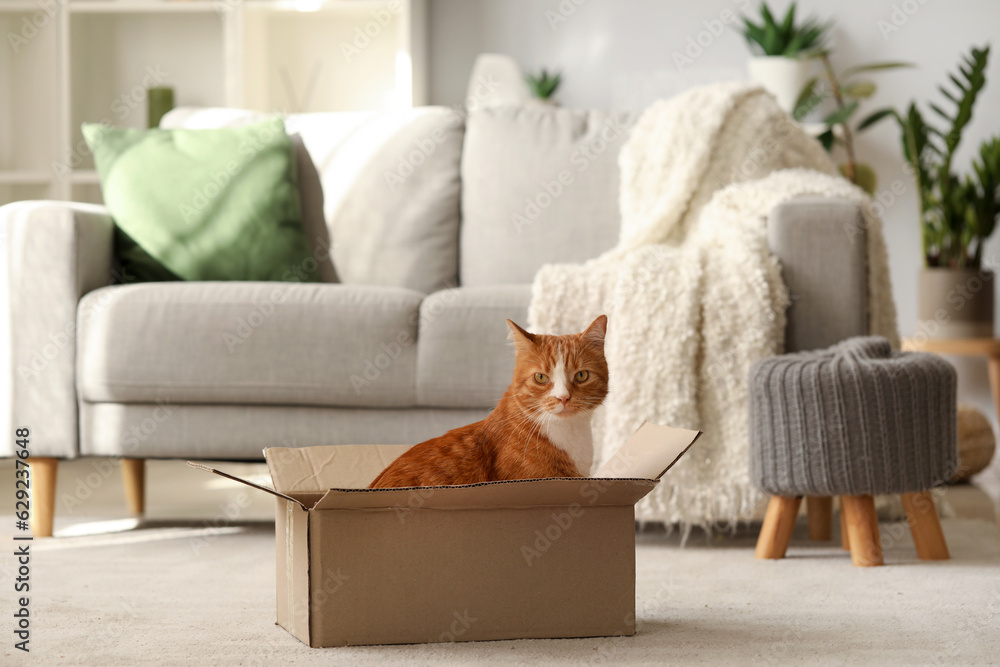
column 28, row 104
column 93, row 60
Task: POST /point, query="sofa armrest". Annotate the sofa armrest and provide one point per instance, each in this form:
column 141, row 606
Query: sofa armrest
column 822, row 247
column 56, row 253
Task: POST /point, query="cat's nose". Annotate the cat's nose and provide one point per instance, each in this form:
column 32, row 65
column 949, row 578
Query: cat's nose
column 564, row 400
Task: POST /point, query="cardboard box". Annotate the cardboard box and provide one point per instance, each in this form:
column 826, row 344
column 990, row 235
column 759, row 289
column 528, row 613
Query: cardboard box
column 500, row 560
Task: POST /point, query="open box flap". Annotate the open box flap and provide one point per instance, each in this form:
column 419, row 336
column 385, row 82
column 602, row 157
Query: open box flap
column 651, row 451
column 338, row 476
column 317, row 469
column 560, row 492
column 202, row 466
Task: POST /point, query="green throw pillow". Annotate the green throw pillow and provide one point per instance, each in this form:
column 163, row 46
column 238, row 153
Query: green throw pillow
column 220, row 204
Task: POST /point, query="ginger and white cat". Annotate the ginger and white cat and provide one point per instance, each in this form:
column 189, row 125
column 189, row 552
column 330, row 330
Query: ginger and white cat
column 540, row 428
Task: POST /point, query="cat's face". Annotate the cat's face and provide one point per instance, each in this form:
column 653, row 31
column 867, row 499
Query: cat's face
column 560, row 375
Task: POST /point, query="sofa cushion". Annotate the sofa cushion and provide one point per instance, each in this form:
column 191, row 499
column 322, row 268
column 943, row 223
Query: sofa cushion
column 248, row 343
column 539, row 185
column 390, row 188
column 220, row 204
column 463, row 358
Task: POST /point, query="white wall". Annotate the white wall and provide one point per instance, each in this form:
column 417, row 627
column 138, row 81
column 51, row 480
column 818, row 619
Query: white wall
column 620, row 54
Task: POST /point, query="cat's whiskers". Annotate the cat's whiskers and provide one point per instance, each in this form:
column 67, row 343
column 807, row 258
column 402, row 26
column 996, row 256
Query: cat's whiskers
column 541, row 423
column 528, row 420
column 545, row 421
column 538, row 419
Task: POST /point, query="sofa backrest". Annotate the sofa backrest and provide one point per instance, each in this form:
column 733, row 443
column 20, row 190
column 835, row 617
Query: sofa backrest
column 426, row 199
column 390, row 189
column 539, row 185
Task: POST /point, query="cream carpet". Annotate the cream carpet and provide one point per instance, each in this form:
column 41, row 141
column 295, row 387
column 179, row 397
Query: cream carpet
column 189, row 593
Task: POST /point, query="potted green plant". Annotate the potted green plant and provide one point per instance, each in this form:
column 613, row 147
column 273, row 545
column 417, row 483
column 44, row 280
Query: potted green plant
column 782, row 64
column 848, row 93
column 543, row 86
column 957, row 212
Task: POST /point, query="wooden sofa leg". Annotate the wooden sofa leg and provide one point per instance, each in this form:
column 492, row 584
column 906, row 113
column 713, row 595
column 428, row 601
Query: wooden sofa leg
column 43, row 495
column 925, row 526
column 134, row 479
column 819, row 510
column 779, row 522
column 862, row 530
column 845, row 540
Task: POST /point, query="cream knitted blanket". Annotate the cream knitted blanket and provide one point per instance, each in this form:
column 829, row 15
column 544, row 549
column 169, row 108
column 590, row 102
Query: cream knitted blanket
column 692, row 292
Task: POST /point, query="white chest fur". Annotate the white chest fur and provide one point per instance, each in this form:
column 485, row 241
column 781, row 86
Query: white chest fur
column 573, row 436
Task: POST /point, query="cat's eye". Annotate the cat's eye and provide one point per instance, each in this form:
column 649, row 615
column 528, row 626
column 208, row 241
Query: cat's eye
column 541, row 378
column 581, row 376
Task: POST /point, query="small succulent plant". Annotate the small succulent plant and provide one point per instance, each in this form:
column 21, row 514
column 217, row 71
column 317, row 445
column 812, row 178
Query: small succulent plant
column 544, row 85
column 772, row 38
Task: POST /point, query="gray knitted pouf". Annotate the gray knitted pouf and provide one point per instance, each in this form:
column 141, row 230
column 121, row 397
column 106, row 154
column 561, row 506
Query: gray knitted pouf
column 855, row 419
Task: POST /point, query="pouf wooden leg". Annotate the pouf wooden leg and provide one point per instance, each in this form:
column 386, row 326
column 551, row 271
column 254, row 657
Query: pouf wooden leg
column 779, row 522
column 925, row 526
column 862, row 530
column 819, row 510
column 845, row 541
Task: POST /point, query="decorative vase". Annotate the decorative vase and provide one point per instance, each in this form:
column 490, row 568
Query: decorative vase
column 158, row 102
column 956, row 303
column 782, row 77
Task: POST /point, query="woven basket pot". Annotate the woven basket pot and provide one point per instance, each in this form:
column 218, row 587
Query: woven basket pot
column 976, row 443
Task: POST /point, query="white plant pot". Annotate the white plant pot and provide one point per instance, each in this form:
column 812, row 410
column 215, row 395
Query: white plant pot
column 545, row 104
column 782, row 77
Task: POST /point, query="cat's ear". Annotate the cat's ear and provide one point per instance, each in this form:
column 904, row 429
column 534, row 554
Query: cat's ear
column 519, row 336
column 596, row 332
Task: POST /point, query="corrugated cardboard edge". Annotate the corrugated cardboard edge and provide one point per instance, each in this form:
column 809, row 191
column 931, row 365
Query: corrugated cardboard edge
column 202, row 466
column 678, row 457
column 293, row 575
column 304, row 570
column 509, row 494
column 648, row 453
